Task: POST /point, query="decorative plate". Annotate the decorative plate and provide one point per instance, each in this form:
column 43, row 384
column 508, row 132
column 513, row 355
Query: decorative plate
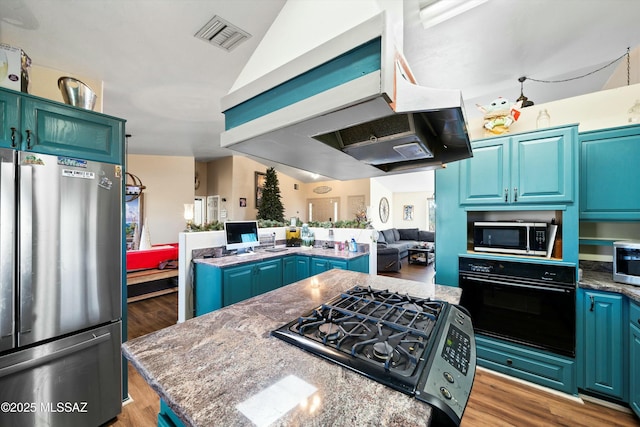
column 322, row 189
column 383, row 210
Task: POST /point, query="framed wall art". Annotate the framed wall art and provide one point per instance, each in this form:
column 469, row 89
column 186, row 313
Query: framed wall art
column 407, row 212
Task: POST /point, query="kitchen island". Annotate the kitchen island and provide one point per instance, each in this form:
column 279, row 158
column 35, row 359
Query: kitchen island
column 205, row 367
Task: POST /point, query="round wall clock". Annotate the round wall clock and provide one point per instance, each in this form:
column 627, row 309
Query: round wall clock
column 384, row 209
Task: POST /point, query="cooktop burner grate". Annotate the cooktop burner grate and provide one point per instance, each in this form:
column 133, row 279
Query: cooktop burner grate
column 398, row 340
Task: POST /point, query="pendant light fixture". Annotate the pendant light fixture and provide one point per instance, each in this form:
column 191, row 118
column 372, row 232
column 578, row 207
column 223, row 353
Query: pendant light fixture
column 524, row 99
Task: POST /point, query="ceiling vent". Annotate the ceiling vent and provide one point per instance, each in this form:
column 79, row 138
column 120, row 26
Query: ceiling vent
column 221, row 33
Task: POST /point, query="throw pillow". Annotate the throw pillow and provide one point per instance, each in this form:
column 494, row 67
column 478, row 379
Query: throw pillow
column 381, row 238
column 396, row 234
column 408, row 234
column 426, row 236
column 389, row 236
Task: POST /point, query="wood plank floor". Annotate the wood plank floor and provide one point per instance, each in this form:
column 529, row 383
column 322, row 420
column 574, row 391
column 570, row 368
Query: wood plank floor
column 495, row 401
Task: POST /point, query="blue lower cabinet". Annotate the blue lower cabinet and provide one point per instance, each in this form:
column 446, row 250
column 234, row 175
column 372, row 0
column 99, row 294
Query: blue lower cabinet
column 216, row 287
column 360, row 264
column 207, row 289
column 267, row 277
column 303, row 266
column 237, row 283
column 634, row 357
column 602, row 346
column 289, row 269
column 294, row 268
column 320, row 265
column 167, row 418
column 539, row 367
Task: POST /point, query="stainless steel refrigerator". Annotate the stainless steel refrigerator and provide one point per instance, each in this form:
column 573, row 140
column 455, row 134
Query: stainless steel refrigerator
column 60, row 295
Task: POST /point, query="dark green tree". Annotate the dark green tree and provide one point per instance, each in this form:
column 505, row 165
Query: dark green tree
column 270, row 206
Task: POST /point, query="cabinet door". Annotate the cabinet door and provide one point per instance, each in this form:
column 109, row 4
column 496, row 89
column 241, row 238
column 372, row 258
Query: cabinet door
column 302, row 267
column 237, row 284
column 9, row 118
column 484, row 178
column 289, row 266
column 50, row 128
column 207, row 289
column 334, row 263
column 634, row 369
column 609, row 176
column 319, row 265
column 543, row 167
column 268, row 276
column 360, row 264
column 603, row 329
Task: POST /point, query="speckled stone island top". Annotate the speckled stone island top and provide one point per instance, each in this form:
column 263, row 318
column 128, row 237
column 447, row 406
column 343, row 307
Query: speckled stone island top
column 599, row 276
column 203, row 368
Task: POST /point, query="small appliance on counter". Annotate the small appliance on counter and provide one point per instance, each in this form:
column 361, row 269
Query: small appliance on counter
column 626, row 262
column 293, row 236
column 421, row 347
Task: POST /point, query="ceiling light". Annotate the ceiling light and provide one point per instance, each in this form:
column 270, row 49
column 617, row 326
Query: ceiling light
column 524, row 99
column 434, row 12
column 221, row 33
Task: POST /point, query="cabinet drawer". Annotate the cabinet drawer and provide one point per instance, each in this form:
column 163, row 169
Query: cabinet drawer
column 634, row 314
column 548, row 370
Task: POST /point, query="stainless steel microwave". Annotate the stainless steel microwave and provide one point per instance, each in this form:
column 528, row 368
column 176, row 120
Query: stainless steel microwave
column 510, row 237
column 626, row 262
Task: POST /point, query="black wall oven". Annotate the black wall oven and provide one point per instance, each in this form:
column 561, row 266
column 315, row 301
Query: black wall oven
column 526, row 303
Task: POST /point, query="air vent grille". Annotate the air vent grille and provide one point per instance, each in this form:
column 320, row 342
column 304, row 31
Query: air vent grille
column 221, row 33
column 378, row 129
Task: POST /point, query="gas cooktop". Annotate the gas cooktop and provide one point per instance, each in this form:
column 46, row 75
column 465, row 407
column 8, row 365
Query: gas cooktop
column 419, row 346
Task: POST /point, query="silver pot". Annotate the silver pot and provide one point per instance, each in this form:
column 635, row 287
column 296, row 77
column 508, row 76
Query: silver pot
column 76, row 93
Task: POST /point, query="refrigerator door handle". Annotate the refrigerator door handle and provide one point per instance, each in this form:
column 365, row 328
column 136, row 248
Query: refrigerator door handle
column 59, row 354
column 25, row 250
column 7, row 238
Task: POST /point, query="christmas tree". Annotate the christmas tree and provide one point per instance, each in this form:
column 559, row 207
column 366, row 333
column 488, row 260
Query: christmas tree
column 270, row 206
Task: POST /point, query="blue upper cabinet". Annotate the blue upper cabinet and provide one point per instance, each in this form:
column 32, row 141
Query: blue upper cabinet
column 529, row 168
column 34, row 124
column 609, row 174
column 9, row 119
column 484, row 179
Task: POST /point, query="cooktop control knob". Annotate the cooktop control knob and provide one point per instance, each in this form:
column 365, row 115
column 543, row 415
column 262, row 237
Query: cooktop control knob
column 447, row 376
column 446, row 393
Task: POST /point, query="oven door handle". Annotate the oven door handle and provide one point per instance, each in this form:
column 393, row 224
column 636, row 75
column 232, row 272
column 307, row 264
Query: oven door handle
column 517, row 285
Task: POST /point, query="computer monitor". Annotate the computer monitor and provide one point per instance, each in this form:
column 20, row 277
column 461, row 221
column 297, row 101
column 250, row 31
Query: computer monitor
column 241, row 235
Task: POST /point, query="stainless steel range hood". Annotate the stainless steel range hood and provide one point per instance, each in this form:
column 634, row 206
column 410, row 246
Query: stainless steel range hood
column 373, row 123
column 420, row 140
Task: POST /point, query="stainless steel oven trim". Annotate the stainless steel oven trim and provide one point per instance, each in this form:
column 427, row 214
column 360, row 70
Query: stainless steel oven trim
column 535, row 286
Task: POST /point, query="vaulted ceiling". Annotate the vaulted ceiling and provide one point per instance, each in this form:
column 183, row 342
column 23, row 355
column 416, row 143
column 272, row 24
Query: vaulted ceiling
column 168, row 84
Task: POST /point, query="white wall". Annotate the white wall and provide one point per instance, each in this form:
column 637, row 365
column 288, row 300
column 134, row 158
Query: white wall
column 419, row 202
column 378, row 191
column 169, row 185
column 598, row 110
column 326, row 20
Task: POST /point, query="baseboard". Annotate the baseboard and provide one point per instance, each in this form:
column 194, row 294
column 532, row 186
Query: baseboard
column 605, row 403
column 128, row 400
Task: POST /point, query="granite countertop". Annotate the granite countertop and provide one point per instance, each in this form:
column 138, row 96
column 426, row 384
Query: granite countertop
column 262, row 255
column 603, row 281
column 203, row 368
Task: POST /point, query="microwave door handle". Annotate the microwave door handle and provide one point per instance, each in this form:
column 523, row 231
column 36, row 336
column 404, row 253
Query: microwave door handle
column 517, row 285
